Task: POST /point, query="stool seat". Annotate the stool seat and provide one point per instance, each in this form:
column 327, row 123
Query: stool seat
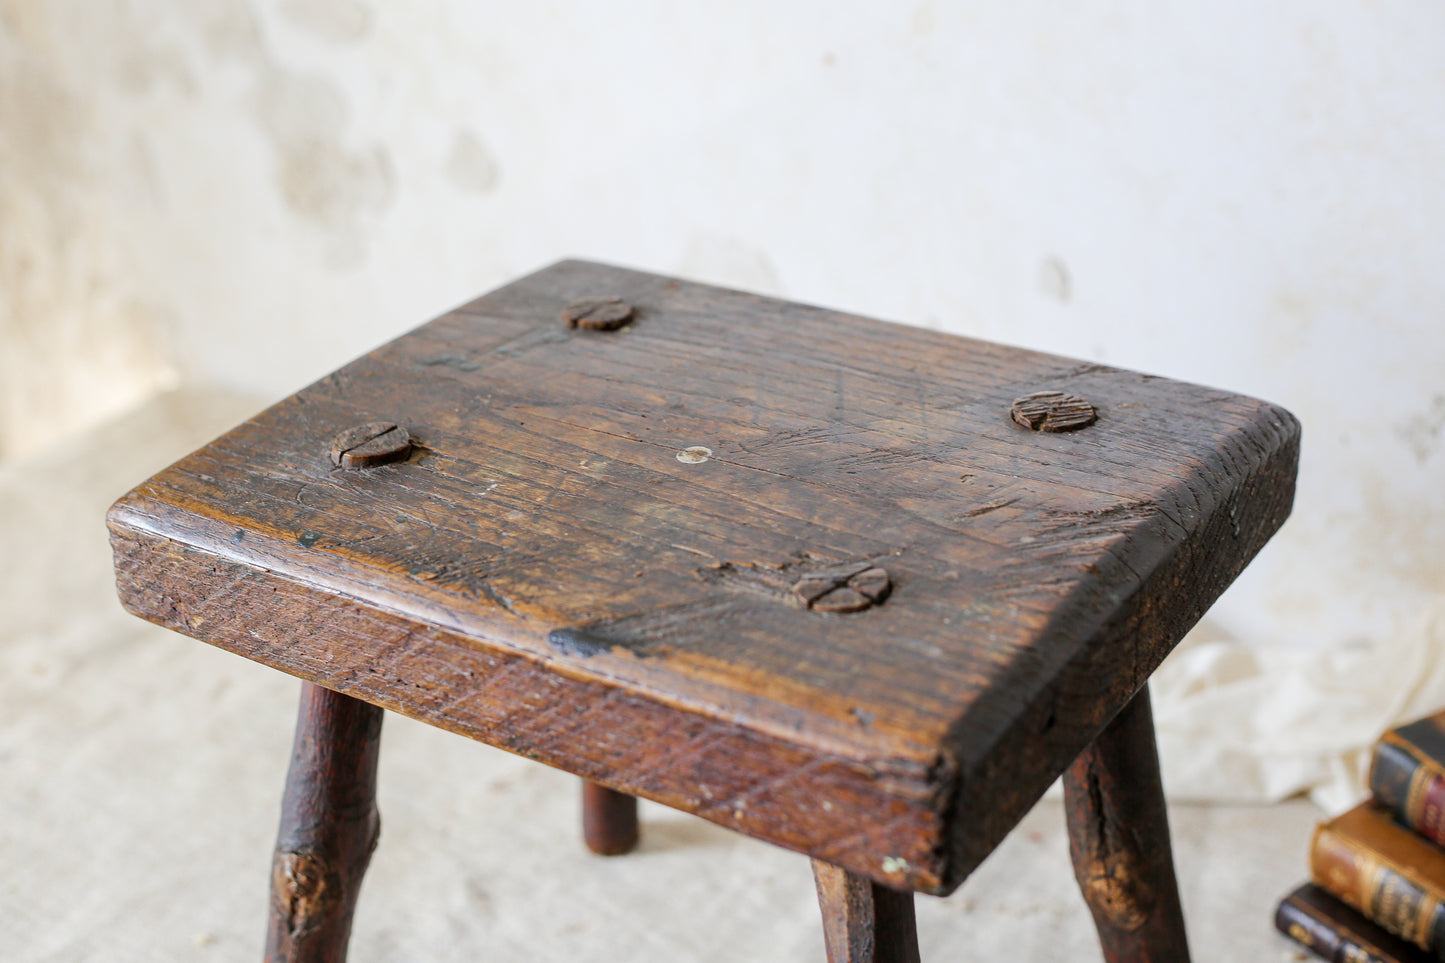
column 857, row 589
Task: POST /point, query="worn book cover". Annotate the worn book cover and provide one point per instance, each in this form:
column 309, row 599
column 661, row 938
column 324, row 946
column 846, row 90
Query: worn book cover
column 1333, row 931
column 1388, row 873
column 1407, row 775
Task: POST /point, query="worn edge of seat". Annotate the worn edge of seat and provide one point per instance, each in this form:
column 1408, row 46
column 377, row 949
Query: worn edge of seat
column 1173, row 593
column 879, row 818
column 939, row 821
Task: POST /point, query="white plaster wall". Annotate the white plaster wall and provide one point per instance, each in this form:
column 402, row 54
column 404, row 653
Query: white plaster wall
column 1249, row 195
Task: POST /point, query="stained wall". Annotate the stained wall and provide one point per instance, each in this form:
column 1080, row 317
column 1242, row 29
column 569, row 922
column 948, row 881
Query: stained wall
column 246, row 194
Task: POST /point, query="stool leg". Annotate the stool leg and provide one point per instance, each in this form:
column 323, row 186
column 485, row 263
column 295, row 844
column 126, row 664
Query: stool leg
column 864, row 922
column 1119, row 841
column 609, row 820
column 329, row 826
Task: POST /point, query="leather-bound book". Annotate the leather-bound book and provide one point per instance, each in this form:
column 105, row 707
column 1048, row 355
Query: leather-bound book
column 1388, row 873
column 1333, row 931
column 1407, row 775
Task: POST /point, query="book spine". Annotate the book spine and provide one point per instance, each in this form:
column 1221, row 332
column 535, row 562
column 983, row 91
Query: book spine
column 1411, row 786
column 1315, row 936
column 1332, row 931
column 1356, row 875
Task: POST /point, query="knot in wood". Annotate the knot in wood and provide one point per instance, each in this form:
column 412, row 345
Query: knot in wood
column 1117, row 890
column 598, row 314
column 374, row 443
column 1053, row 411
column 306, row 889
column 843, row 591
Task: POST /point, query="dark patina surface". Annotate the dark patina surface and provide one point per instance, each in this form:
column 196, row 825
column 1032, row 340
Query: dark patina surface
column 870, row 617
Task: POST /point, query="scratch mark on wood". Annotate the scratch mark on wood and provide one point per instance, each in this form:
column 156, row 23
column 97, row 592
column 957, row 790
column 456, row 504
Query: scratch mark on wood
column 990, row 507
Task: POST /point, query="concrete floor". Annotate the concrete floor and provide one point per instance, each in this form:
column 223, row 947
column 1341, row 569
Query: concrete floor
column 140, row 773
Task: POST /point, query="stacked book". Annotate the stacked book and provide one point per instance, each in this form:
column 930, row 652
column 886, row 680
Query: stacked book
column 1377, row 890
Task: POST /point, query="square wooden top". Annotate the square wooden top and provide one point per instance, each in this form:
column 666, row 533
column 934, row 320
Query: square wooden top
column 625, row 552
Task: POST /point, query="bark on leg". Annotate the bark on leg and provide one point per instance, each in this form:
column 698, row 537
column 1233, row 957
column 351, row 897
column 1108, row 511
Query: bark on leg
column 863, row 921
column 609, row 820
column 1119, row 841
column 329, row 826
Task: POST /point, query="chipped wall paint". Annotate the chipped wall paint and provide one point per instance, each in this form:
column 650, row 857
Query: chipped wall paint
column 250, row 193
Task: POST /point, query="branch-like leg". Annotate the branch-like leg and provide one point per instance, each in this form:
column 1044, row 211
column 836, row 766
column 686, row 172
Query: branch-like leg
column 863, row 921
column 609, row 820
column 1119, row 841
column 329, row 826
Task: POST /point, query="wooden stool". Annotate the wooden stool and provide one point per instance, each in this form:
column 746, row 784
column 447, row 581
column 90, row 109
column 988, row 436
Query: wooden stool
column 860, row 590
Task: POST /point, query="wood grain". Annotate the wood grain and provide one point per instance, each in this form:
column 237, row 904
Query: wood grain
column 864, row 922
column 329, row 827
column 1119, row 841
column 543, row 573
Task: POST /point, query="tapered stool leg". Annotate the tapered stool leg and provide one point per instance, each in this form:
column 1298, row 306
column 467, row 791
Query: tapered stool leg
column 609, row 820
column 863, row 921
column 1119, row 841
column 329, row 826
